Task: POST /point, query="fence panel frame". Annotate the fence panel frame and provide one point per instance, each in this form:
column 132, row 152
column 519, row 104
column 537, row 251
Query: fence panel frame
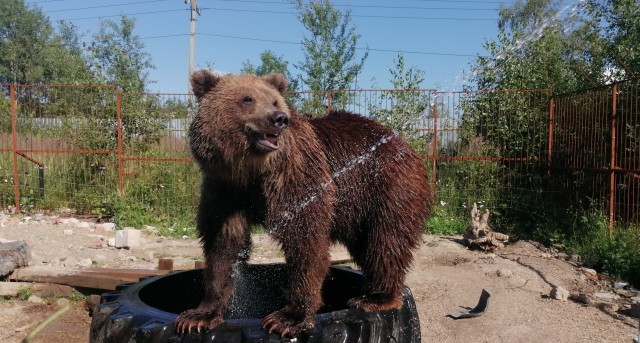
column 554, row 114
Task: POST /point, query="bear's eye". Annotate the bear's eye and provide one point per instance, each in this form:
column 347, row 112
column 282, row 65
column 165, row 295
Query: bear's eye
column 247, row 99
column 275, row 103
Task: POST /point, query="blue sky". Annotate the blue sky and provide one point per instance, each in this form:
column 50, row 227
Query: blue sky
column 439, row 37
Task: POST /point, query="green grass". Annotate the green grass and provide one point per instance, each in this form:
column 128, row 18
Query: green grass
column 160, row 194
column 24, row 293
column 77, row 296
column 586, row 232
column 441, row 225
column 618, row 256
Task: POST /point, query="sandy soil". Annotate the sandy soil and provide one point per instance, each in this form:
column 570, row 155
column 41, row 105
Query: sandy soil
column 446, row 278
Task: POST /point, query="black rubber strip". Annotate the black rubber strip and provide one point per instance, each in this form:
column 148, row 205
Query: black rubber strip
column 477, row 311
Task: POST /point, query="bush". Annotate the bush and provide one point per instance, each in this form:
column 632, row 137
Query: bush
column 618, row 256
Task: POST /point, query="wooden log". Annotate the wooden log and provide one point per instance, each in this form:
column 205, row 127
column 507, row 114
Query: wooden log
column 165, row 264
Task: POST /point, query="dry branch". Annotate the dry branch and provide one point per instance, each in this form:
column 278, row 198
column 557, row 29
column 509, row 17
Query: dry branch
column 479, row 235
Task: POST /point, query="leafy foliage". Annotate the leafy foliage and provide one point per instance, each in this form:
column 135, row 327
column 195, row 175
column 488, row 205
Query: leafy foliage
column 618, row 22
column 330, row 52
column 32, row 52
column 24, row 292
column 542, row 45
column 619, row 256
column 405, row 110
column 272, row 63
column 24, row 34
column 117, row 56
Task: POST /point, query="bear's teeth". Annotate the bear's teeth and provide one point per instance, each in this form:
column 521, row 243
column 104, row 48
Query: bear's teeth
column 269, row 141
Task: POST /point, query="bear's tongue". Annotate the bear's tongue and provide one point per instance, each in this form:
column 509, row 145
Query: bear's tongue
column 270, row 141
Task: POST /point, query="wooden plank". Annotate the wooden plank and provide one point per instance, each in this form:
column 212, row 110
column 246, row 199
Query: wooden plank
column 106, row 279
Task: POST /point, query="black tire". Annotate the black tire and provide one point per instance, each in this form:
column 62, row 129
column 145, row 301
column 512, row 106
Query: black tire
column 145, row 311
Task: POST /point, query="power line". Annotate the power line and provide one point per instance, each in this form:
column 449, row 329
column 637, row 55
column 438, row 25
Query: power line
column 123, row 14
column 271, row 40
column 370, row 49
column 372, row 6
column 105, row 6
column 467, row 1
column 275, row 12
column 353, row 15
column 39, row 2
column 249, row 38
column 166, row 36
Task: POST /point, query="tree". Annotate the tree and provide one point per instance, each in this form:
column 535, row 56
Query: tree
column 541, row 46
column 620, row 23
column 65, row 57
column 404, row 108
column 24, row 35
column 22, row 31
column 32, row 52
column 271, row 63
column 330, row 51
column 117, row 56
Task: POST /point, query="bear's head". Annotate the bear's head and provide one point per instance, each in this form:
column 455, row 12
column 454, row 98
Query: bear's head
column 239, row 117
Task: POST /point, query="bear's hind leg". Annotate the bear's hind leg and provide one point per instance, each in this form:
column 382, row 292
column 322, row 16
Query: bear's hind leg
column 384, row 256
column 376, row 301
column 381, row 289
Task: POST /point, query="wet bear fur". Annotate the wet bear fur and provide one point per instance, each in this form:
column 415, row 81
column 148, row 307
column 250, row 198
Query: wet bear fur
column 310, row 182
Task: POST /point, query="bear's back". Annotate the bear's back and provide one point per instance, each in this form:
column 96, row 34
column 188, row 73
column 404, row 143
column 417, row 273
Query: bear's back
column 369, row 164
column 351, row 140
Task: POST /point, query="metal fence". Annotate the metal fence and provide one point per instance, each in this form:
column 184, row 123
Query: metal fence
column 595, row 146
column 93, row 150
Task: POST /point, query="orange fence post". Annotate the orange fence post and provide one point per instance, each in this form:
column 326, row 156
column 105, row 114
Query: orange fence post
column 14, row 142
column 120, row 149
column 435, row 144
column 550, row 135
column 612, row 166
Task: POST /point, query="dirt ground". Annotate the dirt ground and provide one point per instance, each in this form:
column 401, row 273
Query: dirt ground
column 446, row 277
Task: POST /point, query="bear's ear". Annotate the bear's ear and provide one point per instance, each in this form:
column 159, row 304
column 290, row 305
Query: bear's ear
column 203, row 81
column 278, row 81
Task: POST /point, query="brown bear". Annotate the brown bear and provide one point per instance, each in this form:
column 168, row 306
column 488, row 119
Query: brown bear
column 310, row 182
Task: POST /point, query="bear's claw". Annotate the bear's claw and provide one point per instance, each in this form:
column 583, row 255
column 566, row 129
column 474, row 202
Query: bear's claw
column 197, row 320
column 286, row 323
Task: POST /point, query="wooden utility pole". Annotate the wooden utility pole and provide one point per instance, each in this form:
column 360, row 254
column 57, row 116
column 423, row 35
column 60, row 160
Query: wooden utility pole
column 192, row 39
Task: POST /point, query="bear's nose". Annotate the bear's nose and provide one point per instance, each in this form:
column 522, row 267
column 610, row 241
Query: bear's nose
column 279, row 119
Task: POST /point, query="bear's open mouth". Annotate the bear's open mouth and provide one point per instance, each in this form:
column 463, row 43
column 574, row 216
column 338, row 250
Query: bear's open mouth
column 267, row 141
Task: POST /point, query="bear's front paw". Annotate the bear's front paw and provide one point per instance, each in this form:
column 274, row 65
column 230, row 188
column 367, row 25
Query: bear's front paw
column 197, row 320
column 288, row 322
